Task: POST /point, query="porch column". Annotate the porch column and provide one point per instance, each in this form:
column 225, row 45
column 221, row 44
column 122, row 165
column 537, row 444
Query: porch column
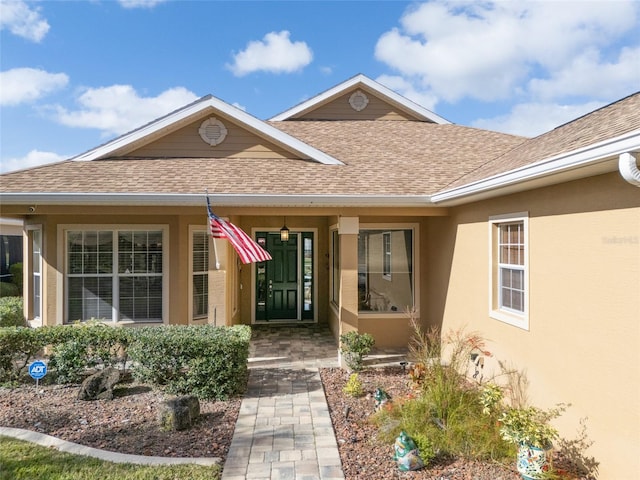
column 348, row 228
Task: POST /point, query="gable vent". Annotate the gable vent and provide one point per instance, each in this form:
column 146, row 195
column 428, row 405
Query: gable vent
column 212, row 131
column 358, row 101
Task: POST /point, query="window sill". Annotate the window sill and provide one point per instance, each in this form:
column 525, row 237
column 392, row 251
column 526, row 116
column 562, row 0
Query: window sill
column 520, row 321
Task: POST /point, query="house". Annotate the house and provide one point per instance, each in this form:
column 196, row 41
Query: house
column 535, row 243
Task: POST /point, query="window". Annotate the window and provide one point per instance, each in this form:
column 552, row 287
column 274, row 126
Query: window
column 115, row 275
column 386, row 252
column 200, row 273
column 509, row 270
column 335, row 267
column 386, row 280
column 33, row 258
column 36, row 265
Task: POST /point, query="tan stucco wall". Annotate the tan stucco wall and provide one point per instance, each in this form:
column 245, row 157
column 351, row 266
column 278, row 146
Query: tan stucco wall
column 583, row 342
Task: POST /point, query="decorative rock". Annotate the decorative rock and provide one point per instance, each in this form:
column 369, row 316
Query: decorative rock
column 407, row 455
column 99, row 386
column 179, row 413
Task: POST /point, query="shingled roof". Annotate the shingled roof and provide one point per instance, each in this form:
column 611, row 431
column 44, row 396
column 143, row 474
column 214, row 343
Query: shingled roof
column 392, row 158
column 606, row 123
column 366, row 158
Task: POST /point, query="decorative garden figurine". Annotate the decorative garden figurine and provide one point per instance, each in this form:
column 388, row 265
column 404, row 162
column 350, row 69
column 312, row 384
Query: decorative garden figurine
column 381, row 398
column 407, row 455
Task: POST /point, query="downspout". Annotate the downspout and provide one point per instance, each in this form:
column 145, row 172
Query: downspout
column 629, row 168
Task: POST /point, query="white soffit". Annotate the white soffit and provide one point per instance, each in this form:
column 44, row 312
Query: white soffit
column 193, row 111
column 595, row 159
column 360, row 80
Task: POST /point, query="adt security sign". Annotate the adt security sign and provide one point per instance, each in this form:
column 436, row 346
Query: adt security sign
column 37, row 370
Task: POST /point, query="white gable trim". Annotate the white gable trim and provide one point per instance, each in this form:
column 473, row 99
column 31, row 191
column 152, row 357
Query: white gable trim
column 163, row 125
column 392, row 97
column 568, row 166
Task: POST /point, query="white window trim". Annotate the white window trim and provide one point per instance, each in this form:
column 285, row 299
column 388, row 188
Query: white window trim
column 511, row 317
column 415, row 252
column 62, row 292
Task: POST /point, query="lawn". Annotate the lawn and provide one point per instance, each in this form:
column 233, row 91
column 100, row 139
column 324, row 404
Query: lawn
column 21, row 460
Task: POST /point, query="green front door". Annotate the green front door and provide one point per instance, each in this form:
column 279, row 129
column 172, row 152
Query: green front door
column 277, row 288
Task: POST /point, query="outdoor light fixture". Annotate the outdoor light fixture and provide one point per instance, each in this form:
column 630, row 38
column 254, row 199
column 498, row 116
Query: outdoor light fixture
column 284, row 232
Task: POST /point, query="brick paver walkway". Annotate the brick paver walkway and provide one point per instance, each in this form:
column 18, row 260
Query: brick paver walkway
column 284, row 430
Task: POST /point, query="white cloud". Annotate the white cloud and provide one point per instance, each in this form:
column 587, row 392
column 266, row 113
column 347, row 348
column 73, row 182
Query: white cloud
column 20, row 85
column 588, row 74
column 493, row 50
column 408, row 90
column 32, row 159
column 139, row 3
column 239, row 106
column 22, row 20
column 119, row 108
column 275, row 54
column 533, row 119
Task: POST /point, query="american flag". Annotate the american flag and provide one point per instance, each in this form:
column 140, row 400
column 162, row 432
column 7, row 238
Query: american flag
column 248, row 250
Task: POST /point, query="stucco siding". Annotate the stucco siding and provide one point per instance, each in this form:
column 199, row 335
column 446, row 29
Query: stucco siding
column 583, row 342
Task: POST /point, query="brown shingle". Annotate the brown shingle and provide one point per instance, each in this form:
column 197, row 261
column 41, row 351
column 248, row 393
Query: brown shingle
column 382, row 157
column 605, row 123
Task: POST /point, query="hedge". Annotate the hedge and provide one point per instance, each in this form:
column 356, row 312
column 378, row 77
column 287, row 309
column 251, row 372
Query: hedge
column 206, row 361
column 11, row 312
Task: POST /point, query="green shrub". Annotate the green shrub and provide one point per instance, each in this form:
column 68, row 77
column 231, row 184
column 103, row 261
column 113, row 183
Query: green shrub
column 448, row 408
column 9, row 290
column 11, row 312
column 18, row 347
column 15, row 270
column 206, row 361
column 77, row 348
column 355, row 346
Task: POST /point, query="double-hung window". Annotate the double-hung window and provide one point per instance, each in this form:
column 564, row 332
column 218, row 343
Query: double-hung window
column 509, row 278
column 115, row 275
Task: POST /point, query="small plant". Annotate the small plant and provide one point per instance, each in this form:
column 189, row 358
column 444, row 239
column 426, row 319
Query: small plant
column 355, row 346
column 490, row 398
column 426, row 448
column 353, row 386
column 530, row 426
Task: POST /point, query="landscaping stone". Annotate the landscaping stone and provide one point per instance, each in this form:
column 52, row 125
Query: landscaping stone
column 99, row 386
column 179, row 413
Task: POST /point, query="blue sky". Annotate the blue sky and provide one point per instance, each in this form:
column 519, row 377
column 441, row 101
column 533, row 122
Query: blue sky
column 75, row 74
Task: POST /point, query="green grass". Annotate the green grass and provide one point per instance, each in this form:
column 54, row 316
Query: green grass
column 21, row 460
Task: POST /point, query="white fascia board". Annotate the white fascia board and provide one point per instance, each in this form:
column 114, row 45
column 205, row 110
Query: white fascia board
column 402, row 102
column 259, row 127
column 565, row 162
column 238, row 200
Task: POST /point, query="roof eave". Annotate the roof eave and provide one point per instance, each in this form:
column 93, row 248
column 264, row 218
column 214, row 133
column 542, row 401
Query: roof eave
column 593, row 160
column 231, row 200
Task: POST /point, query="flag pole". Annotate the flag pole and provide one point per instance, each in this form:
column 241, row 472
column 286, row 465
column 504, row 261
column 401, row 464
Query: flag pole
column 213, row 240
